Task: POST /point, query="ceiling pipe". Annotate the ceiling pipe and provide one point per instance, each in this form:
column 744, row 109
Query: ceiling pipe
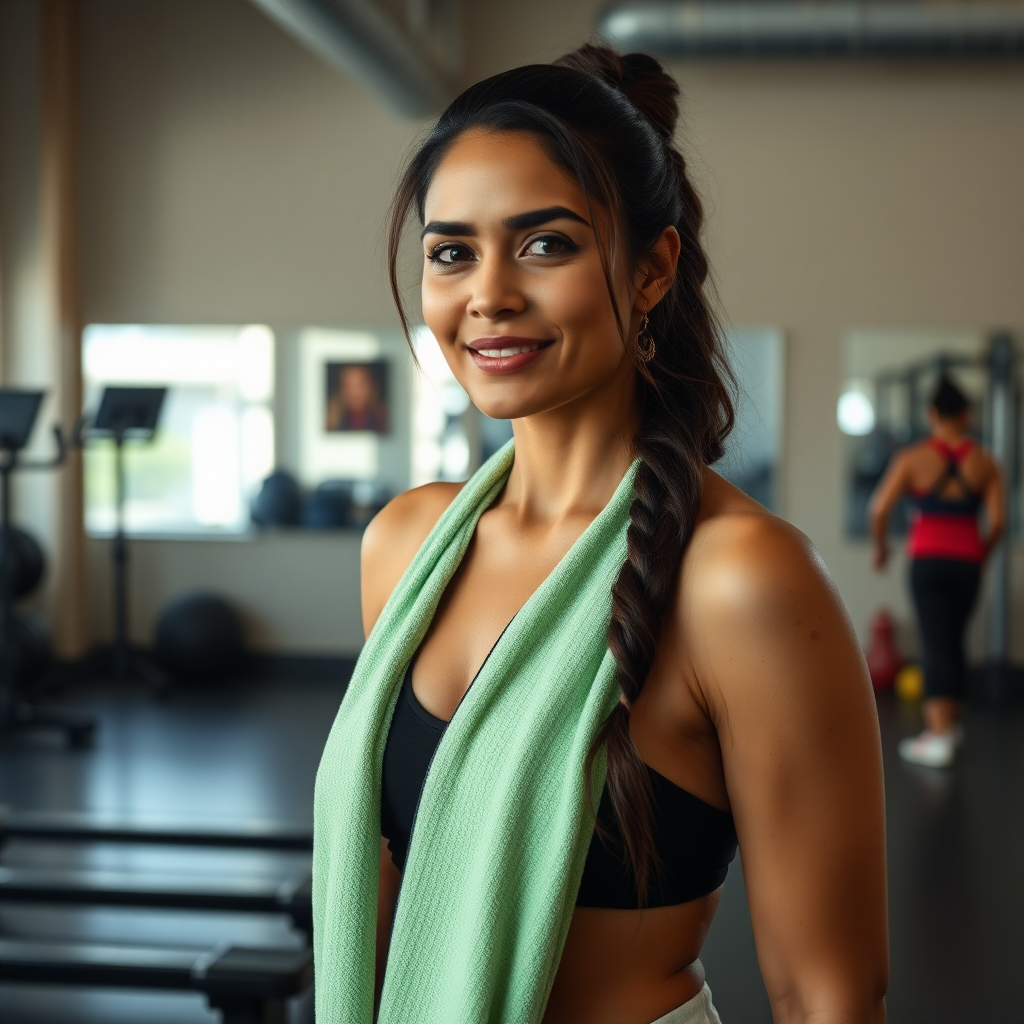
column 773, row 28
column 358, row 39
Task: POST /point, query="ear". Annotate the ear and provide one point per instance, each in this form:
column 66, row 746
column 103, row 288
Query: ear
column 657, row 271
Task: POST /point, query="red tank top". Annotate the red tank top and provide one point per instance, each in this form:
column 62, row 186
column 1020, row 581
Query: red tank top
column 944, row 527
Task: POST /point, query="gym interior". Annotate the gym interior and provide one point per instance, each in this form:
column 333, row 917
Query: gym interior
column 206, row 395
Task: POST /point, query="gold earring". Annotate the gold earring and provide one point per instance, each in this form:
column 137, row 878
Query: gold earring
column 645, row 344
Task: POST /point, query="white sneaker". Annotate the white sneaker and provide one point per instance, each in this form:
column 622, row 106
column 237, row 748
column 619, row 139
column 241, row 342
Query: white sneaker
column 934, row 750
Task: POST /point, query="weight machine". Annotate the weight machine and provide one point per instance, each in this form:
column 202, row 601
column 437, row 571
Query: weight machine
column 18, row 411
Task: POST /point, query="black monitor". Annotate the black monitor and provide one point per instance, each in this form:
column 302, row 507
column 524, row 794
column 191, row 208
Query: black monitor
column 18, row 411
column 129, row 411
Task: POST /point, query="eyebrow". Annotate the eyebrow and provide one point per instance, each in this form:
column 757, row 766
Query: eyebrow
column 519, row 222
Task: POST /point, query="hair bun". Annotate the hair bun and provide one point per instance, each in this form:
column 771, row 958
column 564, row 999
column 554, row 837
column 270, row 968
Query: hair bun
column 639, row 77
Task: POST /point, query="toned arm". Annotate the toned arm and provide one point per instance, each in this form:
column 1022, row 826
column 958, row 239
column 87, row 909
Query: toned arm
column 888, row 492
column 778, row 668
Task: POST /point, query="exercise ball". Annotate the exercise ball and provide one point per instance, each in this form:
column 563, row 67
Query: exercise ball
column 279, row 501
column 199, row 636
column 25, row 562
column 327, row 508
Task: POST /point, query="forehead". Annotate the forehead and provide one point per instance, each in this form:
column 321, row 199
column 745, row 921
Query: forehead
column 487, row 176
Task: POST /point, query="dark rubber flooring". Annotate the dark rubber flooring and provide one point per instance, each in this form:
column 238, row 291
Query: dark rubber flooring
column 956, row 848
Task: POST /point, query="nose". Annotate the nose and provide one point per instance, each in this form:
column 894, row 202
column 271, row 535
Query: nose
column 496, row 292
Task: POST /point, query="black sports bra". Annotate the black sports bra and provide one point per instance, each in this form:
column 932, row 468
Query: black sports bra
column 695, row 842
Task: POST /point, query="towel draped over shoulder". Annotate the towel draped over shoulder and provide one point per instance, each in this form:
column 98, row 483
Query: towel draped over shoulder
column 502, row 828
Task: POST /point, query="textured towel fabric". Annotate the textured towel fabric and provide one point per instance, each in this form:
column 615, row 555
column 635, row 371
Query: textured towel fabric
column 502, row 828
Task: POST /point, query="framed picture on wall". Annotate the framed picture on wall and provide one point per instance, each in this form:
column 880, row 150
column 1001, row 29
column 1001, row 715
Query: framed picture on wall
column 344, row 391
column 357, row 397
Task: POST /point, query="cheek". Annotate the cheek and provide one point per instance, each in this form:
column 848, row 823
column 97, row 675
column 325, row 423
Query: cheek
column 578, row 304
column 442, row 306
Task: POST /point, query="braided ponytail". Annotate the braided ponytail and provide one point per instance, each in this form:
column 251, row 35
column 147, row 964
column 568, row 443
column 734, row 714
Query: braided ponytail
column 609, row 120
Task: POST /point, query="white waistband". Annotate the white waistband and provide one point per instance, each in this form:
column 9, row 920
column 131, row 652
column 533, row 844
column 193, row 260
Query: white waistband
column 698, row 1010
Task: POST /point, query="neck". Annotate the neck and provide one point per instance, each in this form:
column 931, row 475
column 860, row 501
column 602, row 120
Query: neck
column 950, row 433
column 571, row 459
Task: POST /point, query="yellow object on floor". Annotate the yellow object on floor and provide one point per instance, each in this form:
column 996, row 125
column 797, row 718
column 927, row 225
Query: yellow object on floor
column 910, row 683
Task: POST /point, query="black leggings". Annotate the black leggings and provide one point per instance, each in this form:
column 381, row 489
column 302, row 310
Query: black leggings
column 944, row 591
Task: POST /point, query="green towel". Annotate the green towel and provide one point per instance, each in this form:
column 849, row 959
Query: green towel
column 502, row 828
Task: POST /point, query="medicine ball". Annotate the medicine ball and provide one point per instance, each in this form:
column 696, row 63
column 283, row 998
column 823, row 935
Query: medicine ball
column 279, row 501
column 327, row 508
column 26, row 563
column 199, row 636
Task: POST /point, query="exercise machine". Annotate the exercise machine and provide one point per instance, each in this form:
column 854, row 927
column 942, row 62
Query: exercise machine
column 78, row 827
column 18, row 411
column 289, row 894
column 246, row 985
column 127, row 413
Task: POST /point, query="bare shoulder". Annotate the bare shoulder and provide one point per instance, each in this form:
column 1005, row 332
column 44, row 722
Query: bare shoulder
column 756, row 602
column 392, row 539
column 985, row 461
column 741, row 552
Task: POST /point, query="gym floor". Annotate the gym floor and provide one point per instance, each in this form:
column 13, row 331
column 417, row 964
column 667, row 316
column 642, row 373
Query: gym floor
column 250, row 750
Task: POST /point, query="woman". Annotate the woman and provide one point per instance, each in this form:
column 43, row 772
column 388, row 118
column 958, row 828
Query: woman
column 948, row 479
column 596, row 623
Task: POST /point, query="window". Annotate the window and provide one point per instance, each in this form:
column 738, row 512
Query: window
column 450, row 436
column 215, row 440
column 440, row 441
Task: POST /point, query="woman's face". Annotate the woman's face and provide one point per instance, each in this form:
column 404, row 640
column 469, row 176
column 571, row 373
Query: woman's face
column 358, row 390
column 513, row 286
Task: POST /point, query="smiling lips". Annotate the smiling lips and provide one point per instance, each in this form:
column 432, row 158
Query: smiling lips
column 505, row 354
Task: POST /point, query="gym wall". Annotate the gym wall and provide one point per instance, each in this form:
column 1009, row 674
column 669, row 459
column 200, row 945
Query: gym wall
column 228, row 176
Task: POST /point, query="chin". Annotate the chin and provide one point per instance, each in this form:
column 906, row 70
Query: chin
column 505, row 407
column 518, row 406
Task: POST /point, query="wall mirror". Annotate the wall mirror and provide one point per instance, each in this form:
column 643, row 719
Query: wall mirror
column 890, row 374
column 753, row 449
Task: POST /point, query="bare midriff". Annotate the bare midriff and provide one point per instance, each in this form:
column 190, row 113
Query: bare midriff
column 630, row 966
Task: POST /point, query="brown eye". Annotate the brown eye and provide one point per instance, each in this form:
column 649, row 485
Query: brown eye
column 449, row 254
column 549, row 245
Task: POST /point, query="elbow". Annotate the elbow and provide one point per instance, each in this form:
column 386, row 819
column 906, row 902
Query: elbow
column 877, row 1009
column 874, row 1008
column 844, row 998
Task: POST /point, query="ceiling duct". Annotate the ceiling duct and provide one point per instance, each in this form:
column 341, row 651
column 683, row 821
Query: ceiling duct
column 356, row 37
column 884, row 28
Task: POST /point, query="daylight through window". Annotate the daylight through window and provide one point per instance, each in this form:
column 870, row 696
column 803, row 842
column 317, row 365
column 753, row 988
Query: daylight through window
column 215, row 441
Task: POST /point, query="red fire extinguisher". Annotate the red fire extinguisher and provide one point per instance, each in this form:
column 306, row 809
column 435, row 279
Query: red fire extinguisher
column 883, row 659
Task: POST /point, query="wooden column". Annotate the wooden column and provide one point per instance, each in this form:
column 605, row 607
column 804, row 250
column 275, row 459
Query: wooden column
column 59, row 38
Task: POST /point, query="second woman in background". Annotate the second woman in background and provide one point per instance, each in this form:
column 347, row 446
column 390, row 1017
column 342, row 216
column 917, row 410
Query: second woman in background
column 949, row 478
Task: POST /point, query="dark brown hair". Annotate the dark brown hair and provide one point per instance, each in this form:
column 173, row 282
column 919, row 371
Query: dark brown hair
column 948, row 401
column 609, row 121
